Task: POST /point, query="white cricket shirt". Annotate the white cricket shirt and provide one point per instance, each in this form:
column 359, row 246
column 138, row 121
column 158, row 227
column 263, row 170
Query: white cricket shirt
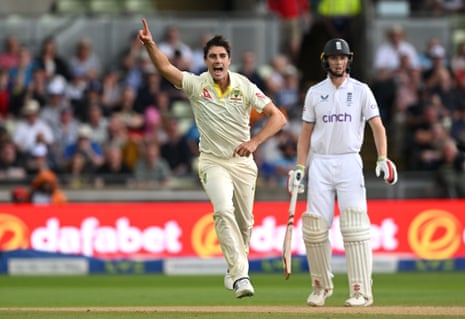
column 222, row 119
column 339, row 115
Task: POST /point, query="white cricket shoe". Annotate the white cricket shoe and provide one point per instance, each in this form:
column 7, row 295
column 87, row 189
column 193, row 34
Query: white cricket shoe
column 228, row 281
column 358, row 300
column 243, row 288
column 318, row 296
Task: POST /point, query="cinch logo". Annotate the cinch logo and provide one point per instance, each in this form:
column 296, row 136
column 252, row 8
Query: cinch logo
column 14, row 233
column 435, row 234
column 341, row 117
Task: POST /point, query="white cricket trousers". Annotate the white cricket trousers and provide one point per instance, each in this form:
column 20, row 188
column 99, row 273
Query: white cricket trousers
column 332, row 177
column 230, row 186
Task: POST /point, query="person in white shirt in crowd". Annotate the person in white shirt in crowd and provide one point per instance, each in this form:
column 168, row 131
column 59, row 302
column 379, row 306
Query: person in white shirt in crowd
column 387, row 61
column 31, row 130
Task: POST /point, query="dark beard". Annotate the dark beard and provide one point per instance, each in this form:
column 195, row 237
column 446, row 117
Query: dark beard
column 336, row 75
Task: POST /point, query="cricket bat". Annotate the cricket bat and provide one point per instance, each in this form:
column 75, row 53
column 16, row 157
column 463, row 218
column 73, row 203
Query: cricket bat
column 287, row 244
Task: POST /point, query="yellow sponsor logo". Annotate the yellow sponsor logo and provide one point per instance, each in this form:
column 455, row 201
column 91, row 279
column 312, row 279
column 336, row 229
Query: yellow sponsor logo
column 204, row 240
column 435, row 234
column 14, row 233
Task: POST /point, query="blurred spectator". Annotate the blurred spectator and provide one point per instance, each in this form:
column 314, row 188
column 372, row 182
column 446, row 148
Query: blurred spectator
column 424, row 137
column 91, row 95
column 38, row 89
column 131, row 70
column 9, row 56
column 98, row 123
column 153, row 124
column 85, row 62
column 387, row 61
column 175, row 49
column 425, row 58
column 49, row 60
column 287, row 144
column 457, row 130
column 111, row 92
column 45, row 189
column 388, row 54
column 131, row 62
column 11, row 163
column 151, row 170
column 134, row 50
column 65, row 132
column 75, row 90
column 21, row 75
column 248, row 68
column 295, row 19
column 176, row 150
column 118, row 134
column 408, row 84
column 198, row 60
column 83, row 157
column 275, row 76
column 37, row 159
column 149, row 92
column 133, row 120
column 19, row 195
column 193, row 138
column 288, row 98
column 5, row 109
column 433, row 75
column 55, row 103
column 31, row 130
column 406, row 95
column 458, row 61
column 267, row 176
column 113, row 171
column 117, row 131
column 451, row 170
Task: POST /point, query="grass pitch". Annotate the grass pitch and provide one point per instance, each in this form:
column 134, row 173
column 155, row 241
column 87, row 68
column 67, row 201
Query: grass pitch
column 402, row 295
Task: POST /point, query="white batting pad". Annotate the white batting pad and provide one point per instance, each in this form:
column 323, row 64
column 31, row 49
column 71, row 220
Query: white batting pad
column 355, row 229
column 315, row 235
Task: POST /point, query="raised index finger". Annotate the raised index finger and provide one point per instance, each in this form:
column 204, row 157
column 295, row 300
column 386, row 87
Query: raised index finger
column 146, row 26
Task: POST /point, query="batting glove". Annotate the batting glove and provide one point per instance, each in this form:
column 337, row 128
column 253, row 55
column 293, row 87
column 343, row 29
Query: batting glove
column 386, row 168
column 295, row 178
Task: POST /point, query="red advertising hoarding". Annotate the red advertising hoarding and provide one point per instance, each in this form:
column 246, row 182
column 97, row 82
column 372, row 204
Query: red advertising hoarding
column 429, row 229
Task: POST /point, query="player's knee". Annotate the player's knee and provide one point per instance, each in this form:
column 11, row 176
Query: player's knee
column 314, row 228
column 355, row 224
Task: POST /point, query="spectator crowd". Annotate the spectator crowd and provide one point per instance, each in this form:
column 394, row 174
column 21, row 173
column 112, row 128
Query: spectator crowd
column 101, row 127
column 95, row 126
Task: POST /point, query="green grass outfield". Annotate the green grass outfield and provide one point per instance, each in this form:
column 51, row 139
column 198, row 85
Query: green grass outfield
column 402, row 295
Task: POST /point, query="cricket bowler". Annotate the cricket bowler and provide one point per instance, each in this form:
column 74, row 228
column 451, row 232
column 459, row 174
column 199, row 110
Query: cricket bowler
column 221, row 101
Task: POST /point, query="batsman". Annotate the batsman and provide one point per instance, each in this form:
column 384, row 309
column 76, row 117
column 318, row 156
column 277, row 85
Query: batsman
column 334, row 116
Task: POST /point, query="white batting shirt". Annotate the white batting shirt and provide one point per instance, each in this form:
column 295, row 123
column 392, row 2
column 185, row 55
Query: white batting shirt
column 339, row 115
column 222, row 119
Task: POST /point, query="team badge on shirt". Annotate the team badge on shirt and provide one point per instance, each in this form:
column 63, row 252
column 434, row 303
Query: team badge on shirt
column 236, row 95
column 260, row 95
column 324, row 98
column 236, row 98
column 206, row 94
column 349, row 98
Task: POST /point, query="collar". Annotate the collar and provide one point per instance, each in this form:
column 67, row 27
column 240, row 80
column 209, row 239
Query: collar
column 217, row 87
column 343, row 84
